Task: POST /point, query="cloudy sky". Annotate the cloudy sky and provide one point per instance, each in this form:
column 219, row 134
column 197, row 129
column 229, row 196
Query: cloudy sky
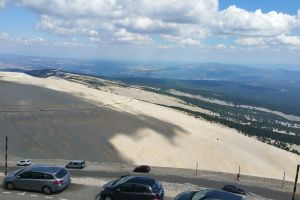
column 229, row 31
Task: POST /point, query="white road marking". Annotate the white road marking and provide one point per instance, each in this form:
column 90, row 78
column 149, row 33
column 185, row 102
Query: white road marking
column 49, row 197
column 21, row 194
column 6, row 192
column 62, row 199
column 34, row 195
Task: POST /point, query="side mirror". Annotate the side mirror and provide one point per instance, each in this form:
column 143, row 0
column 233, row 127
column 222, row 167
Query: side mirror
column 18, row 176
column 117, row 189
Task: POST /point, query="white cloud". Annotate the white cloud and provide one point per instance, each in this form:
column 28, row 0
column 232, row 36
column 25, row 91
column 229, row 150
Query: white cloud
column 237, row 21
column 146, row 25
column 281, row 40
column 177, row 11
column 169, row 37
column 161, row 46
column 189, row 42
column 4, row 36
column 124, row 36
column 220, row 46
column 95, row 39
column 289, row 40
column 29, row 41
column 89, row 17
column 184, row 22
column 33, row 41
column 66, row 27
column 74, row 8
column 21, row 40
column 2, row 4
column 251, row 41
column 68, row 44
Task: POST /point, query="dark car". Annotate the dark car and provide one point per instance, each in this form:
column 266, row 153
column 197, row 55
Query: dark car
column 43, row 178
column 142, row 169
column 233, row 189
column 132, row 188
column 208, row 194
column 76, row 164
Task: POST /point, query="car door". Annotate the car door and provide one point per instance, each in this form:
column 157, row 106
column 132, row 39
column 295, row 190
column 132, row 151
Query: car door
column 38, row 181
column 141, row 192
column 76, row 165
column 123, row 192
column 23, row 180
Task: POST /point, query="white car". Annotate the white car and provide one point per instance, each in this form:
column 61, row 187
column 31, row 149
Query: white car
column 25, row 162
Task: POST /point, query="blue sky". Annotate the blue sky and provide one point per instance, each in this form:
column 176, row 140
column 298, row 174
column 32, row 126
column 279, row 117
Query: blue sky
column 286, row 6
column 230, row 31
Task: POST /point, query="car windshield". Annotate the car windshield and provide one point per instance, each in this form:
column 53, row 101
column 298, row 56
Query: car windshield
column 215, row 195
column 122, row 180
column 156, row 187
column 61, row 173
column 200, row 195
column 17, row 171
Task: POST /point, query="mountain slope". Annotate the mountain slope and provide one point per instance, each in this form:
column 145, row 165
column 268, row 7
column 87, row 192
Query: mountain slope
column 51, row 117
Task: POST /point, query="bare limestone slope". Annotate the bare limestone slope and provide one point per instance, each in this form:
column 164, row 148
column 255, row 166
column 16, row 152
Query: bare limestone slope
column 51, row 117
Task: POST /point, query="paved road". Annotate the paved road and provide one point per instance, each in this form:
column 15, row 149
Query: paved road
column 74, row 191
column 89, row 192
column 265, row 192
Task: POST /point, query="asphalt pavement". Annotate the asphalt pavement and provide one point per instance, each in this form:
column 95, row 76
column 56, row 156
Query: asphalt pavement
column 73, row 191
column 261, row 191
column 76, row 191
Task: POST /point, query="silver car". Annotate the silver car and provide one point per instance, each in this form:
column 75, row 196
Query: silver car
column 78, row 164
column 25, row 162
column 46, row 179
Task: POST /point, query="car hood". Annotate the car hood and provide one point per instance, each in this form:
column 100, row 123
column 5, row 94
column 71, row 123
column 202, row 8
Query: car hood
column 109, row 184
column 13, row 173
column 185, row 196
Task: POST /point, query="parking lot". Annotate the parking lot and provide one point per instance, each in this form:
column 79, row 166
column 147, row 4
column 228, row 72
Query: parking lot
column 73, row 191
column 86, row 184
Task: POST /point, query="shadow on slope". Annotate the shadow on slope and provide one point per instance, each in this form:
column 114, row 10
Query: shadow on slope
column 68, row 134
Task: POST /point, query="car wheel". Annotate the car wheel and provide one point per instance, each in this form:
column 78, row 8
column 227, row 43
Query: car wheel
column 47, row 190
column 10, row 186
column 98, row 197
column 107, row 198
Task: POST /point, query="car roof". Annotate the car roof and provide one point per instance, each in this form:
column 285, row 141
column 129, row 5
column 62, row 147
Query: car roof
column 230, row 186
column 233, row 186
column 142, row 180
column 45, row 169
column 142, row 166
column 213, row 193
column 77, row 161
